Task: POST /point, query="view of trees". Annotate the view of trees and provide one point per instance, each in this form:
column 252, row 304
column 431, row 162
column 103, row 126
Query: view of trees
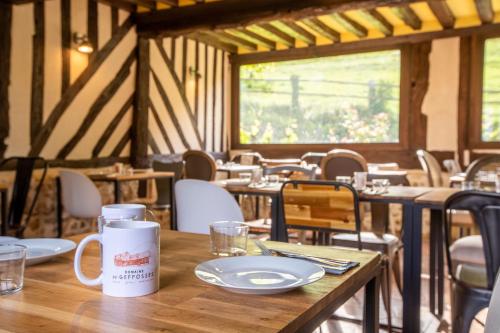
column 342, row 99
column 491, row 91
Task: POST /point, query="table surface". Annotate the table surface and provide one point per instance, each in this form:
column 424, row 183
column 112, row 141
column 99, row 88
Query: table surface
column 437, row 196
column 237, row 167
column 54, row 301
column 134, row 176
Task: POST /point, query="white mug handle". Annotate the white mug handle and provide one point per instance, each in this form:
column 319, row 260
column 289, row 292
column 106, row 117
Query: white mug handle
column 78, row 258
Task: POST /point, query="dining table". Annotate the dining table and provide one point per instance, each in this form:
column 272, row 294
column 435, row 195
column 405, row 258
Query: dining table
column 4, row 189
column 52, row 299
column 412, row 236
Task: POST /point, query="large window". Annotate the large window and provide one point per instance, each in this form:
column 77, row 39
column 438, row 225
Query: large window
column 490, row 117
column 340, row 99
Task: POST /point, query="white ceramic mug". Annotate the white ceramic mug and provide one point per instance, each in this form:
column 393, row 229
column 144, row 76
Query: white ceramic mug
column 130, row 258
column 124, row 211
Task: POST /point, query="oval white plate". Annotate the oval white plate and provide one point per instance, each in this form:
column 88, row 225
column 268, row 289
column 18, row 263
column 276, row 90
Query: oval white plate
column 43, row 249
column 7, row 239
column 258, row 275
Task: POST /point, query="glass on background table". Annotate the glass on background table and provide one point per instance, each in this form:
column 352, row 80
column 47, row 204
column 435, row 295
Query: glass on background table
column 228, row 239
column 12, row 261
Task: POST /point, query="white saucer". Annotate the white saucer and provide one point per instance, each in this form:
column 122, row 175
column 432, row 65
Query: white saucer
column 43, row 249
column 7, row 239
column 258, row 275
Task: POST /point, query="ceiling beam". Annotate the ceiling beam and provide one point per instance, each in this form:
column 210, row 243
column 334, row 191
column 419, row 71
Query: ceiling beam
column 485, row 10
column 322, row 29
column 230, row 39
column 173, row 3
column 122, row 4
column 253, row 37
column 144, row 3
column 296, row 31
column 378, row 21
column 209, row 40
column 275, row 34
column 443, row 13
column 350, row 25
column 408, row 16
column 229, row 14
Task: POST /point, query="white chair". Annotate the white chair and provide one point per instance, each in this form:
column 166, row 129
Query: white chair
column 493, row 319
column 200, row 203
column 80, row 196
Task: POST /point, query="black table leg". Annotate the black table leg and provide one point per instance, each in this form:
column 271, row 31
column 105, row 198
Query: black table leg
column 371, row 309
column 118, row 194
column 432, row 266
column 173, row 217
column 438, row 215
column 278, row 228
column 59, row 208
column 4, row 211
column 412, row 240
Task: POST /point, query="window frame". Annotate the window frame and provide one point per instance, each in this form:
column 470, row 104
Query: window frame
column 287, row 148
column 478, row 43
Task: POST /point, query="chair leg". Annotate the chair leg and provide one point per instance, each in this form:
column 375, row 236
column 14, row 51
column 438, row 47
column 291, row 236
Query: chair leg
column 396, row 269
column 386, row 293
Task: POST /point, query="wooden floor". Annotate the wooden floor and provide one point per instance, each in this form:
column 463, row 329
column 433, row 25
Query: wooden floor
column 354, row 307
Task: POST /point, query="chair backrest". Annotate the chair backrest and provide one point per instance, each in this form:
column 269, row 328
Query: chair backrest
column 250, row 158
column 493, row 319
column 483, row 163
column 342, row 162
column 321, row 205
column 80, row 196
column 313, row 158
column 452, row 166
column 163, row 184
column 199, row 165
column 24, row 167
column 431, row 167
column 292, row 171
column 200, row 203
column 485, row 210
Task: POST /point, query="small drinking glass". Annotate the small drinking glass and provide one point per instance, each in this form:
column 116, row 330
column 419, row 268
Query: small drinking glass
column 360, row 179
column 245, row 177
column 257, row 175
column 381, row 185
column 343, row 179
column 228, row 239
column 468, row 185
column 12, row 259
column 497, row 183
column 273, row 179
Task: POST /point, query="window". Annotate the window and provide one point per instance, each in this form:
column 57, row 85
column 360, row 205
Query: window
column 340, row 99
column 490, row 116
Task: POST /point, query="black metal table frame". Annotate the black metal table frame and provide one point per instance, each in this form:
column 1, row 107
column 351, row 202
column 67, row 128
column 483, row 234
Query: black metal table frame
column 3, row 203
column 117, row 194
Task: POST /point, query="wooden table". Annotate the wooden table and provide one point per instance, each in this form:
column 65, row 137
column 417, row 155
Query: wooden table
column 412, row 238
column 434, row 201
column 3, row 207
column 54, row 301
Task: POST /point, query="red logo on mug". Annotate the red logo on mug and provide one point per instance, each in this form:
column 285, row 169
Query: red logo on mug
column 127, row 259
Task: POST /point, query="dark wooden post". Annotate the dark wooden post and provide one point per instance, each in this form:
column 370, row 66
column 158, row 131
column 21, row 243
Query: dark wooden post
column 5, row 45
column 139, row 131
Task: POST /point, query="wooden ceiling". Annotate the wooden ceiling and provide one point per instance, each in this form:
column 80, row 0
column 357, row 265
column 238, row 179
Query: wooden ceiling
column 248, row 26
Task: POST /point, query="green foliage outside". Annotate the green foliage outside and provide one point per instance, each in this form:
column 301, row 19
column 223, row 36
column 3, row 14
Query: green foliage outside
column 491, row 91
column 342, row 99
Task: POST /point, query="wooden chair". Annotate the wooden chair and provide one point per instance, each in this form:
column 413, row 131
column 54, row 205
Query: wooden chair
column 250, row 158
column 473, row 282
column 24, row 167
column 484, row 163
column 328, row 208
column 312, row 158
column 342, row 162
column 452, row 166
column 431, row 167
column 199, row 165
column 291, row 171
column 163, row 185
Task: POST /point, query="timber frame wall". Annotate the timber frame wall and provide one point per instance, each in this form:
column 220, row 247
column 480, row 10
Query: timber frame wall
column 132, row 97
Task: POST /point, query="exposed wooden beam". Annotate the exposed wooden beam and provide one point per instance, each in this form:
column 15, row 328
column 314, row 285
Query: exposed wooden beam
column 122, row 4
column 296, row 31
column 5, row 50
column 144, row 3
column 173, row 3
column 443, row 13
column 321, row 28
column 350, row 25
column 408, row 16
column 228, row 38
column 37, row 71
column 360, row 45
column 65, row 44
column 378, row 21
column 207, row 39
column 274, row 33
column 253, row 37
column 220, row 15
column 485, row 10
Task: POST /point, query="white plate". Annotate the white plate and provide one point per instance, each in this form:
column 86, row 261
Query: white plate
column 43, row 249
column 7, row 239
column 258, row 275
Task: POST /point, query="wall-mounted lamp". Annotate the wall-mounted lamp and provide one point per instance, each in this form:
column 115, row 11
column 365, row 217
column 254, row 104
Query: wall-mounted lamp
column 195, row 74
column 82, row 43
